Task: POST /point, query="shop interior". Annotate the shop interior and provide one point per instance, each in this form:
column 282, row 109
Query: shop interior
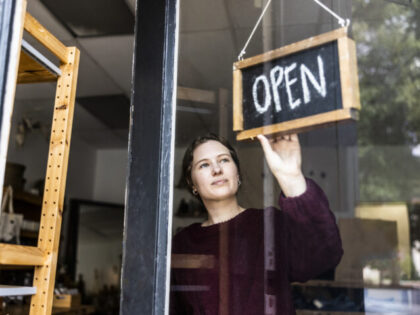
column 368, row 169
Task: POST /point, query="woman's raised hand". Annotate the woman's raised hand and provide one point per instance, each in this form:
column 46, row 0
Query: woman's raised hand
column 284, row 159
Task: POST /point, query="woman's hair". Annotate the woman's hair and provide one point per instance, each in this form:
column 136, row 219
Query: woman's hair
column 186, row 180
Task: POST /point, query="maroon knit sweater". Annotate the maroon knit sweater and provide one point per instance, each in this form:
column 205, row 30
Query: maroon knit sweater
column 245, row 266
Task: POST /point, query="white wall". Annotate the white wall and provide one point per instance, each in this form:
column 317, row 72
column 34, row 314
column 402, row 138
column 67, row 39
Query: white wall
column 110, row 179
column 81, row 171
column 33, row 154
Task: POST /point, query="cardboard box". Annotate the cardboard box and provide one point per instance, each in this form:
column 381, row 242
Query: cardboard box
column 367, row 242
column 66, row 300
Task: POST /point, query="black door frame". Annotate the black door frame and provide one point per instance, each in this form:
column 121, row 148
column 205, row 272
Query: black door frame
column 149, row 187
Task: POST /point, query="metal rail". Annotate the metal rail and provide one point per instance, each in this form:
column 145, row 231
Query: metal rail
column 40, row 58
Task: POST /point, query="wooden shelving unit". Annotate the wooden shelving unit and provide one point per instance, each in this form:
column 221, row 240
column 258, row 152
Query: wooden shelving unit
column 34, row 67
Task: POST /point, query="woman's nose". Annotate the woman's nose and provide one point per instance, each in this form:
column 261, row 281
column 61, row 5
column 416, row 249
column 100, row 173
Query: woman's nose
column 216, row 169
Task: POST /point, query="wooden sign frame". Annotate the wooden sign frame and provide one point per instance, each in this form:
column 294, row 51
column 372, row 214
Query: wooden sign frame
column 348, row 78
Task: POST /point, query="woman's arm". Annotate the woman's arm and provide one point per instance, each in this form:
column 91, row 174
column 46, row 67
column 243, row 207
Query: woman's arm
column 284, row 159
column 313, row 240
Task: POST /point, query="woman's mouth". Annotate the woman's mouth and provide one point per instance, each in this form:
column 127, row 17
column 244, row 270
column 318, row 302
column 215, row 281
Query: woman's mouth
column 219, row 182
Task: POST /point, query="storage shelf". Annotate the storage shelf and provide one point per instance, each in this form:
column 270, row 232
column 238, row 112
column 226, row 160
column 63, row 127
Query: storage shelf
column 31, row 71
column 35, row 67
column 11, row 290
column 28, row 197
column 29, row 234
column 16, row 268
column 21, row 255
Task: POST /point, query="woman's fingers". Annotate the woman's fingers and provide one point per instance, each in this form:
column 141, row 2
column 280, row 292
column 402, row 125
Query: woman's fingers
column 292, row 137
column 265, row 144
column 279, row 138
column 271, row 155
column 272, row 143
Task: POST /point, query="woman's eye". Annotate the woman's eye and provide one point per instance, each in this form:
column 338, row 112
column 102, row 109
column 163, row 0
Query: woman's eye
column 203, row 165
column 224, row 160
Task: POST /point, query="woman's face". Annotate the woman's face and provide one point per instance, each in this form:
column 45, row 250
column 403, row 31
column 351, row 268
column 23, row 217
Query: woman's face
column 214, row 173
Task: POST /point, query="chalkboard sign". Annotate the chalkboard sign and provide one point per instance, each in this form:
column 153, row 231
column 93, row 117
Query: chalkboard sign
column 298, row 87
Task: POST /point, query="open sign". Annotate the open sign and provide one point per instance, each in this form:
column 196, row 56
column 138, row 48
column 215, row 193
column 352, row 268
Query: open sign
column 298, row 87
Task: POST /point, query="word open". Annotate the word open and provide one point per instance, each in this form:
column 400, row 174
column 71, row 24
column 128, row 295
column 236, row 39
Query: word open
column 267, row 88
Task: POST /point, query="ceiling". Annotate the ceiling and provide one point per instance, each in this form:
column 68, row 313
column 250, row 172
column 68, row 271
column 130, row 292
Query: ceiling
column 211, row 35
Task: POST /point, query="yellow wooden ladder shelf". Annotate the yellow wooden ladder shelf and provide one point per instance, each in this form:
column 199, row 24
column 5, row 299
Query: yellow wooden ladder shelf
column 33, row 67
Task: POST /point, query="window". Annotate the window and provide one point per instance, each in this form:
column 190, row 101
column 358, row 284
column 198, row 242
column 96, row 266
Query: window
column 368, row 170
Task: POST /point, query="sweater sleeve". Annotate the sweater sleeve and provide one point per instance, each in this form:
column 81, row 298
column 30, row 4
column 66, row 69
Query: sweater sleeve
column 313, row 240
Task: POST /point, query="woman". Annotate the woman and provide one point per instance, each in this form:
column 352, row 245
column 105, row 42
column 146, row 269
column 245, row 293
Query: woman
column 242, row 261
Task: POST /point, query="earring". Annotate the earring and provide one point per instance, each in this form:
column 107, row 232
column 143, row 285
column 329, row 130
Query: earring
column 239, row 182
column 194, row 191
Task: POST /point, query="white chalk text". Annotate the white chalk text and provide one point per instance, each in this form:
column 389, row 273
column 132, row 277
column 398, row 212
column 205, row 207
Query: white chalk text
column 267, row 88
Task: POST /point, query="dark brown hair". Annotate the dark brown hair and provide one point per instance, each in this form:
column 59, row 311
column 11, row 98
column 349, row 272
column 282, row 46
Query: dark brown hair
column 186, row 180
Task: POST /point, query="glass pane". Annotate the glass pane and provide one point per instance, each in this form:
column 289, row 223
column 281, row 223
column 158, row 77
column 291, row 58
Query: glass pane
column 264, row 240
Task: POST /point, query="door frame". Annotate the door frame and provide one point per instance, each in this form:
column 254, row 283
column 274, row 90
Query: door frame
column 149, row 186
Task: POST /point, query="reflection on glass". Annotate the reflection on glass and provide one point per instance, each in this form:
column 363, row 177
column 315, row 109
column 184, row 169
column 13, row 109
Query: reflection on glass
column 242, row 260
column 369, row 171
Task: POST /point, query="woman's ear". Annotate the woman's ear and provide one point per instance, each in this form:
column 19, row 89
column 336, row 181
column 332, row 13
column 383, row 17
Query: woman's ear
column 189, row 183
